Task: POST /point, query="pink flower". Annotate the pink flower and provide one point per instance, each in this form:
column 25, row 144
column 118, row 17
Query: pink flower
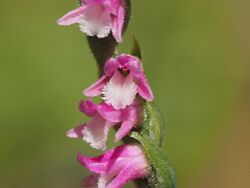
column 123, row 78
column 104, row 117
column 115, row 168
column 98, row 18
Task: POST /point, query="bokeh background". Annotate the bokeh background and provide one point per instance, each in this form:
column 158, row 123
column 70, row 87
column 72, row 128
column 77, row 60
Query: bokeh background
column 196, row 56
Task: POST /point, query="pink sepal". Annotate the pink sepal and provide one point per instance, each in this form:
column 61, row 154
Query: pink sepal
column 96, row 88
column 73, row 16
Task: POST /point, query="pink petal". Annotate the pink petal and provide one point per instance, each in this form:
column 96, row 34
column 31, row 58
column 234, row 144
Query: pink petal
column 143, row 88
column 96, row 88
column 109, row 113
column 76, row 132
column 88, row 107
column 136, row 169
column 73, row 16
column 130, row 119
column 110, row 66
column 96, row 21
column 130, row 62
column 118, row 23
column 95, row 132
column 124, row 130
column 114, row 6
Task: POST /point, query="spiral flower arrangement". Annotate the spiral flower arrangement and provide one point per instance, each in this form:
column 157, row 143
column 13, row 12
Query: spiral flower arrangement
column 126, row 105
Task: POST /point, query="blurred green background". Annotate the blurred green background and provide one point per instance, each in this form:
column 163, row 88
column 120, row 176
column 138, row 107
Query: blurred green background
column 196, row 56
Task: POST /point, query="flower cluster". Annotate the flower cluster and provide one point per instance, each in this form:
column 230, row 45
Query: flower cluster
column 121, row 88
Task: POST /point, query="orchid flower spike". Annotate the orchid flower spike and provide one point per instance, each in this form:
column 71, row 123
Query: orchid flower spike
column 115, row 168
column 123, row 78
column 104, row 116
column 98, row 18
